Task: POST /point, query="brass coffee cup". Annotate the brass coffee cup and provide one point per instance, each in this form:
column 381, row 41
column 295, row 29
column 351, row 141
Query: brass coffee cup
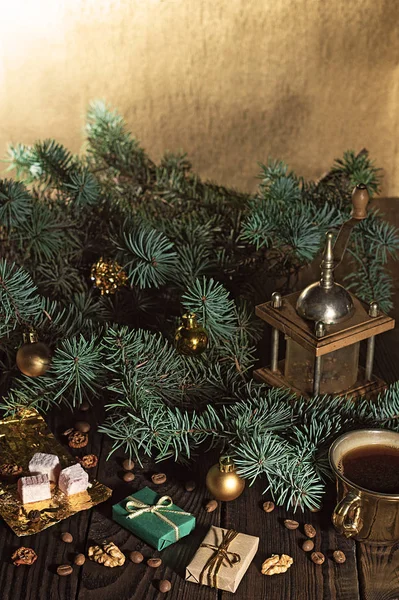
column 362, row 514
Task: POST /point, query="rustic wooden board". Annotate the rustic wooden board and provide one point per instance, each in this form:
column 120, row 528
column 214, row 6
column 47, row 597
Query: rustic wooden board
column 140, row 581
column 304, row 579
column 368, row 574
column 379, row 572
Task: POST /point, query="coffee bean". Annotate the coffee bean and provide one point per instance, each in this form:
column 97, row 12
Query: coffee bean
column 128, row 464
column 165, row 586
column 34, row 516
column 129, row 476
column 154, row 562
column 84, row 406
column 268, row 506
column 67, row 537
column 211, row 505
column 339, row 557
column 307, row 545
column 82, row 426
column 309, row 530
column 80, row 559
column 317, row 557
column 158, row 478
column 290, row 524
column 64, row 569
column 136, row 557
column 190, row 486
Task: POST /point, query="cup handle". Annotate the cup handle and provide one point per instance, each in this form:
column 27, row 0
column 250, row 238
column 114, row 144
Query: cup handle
column 340, row 518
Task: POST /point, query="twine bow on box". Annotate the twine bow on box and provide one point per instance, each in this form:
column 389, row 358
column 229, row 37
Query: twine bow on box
column 222, row 555
column 136, row 507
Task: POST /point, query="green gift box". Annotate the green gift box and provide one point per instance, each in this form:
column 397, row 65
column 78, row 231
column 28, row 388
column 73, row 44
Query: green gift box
column 153, row 518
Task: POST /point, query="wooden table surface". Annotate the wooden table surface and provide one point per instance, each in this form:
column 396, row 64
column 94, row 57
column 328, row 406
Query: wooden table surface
column 368, row 574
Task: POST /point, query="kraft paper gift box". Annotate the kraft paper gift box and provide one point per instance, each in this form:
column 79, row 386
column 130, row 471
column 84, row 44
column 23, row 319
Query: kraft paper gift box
column 222, row 559
column 153, row 518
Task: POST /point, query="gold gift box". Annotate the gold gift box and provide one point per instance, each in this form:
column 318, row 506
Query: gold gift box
column 20, row 437
column 227, row 564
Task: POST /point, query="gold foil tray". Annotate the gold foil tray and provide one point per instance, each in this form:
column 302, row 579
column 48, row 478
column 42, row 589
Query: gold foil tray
column 20, row 437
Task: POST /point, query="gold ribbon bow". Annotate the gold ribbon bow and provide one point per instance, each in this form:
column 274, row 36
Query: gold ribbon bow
column 221, row 556
column 136, row 507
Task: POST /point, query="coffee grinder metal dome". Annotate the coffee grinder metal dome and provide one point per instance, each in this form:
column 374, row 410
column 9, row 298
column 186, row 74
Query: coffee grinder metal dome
column 323, row 326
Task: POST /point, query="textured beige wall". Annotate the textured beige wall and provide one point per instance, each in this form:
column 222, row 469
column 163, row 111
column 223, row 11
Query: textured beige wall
column 229, row 81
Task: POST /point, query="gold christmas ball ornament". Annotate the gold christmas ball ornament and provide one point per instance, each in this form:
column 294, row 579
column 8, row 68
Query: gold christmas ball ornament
column 108, row 276
column 191, row 338
column 223, row 482
column 33, row 357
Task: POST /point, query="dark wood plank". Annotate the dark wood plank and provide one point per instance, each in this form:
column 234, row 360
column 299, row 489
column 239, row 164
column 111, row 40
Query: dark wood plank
column 378, row 568
column 139, row 582
column 304, row 579
column 379, row 572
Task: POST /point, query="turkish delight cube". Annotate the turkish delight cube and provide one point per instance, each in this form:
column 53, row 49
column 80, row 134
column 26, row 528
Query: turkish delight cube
column 45, row 464
column 73, row 480
column 34, row 488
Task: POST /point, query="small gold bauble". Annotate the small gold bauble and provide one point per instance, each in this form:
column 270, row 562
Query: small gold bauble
column 33, row 357
column 223, row 482
column 108, row 276
column 190, row 338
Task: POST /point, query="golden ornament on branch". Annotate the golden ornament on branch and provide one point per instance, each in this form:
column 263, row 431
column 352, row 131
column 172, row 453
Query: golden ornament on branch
column 108, row 276
column 33, row 357
column 223, row 482
column 191, row 338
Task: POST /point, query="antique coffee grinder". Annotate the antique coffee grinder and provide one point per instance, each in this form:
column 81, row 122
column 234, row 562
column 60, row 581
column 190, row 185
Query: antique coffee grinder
column 323, row 326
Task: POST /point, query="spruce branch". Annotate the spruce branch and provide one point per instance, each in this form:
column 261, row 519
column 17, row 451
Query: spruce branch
column 148, row 257
column 185, row 243
column 20, row 305
column 210, row 301
column 359, row 169
column 15, row 203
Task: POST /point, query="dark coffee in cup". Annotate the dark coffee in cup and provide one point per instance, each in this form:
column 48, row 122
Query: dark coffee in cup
column 366, row 467
column 373, row 467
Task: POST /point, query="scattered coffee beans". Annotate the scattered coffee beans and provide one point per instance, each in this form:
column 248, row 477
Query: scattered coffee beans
column 268, row 506
column 307, row 545
column 82, row 426
column 154, row 562
column 128, row 464
column 190, row 487
column 136, row 557
column 64, row 570
column 34, row 516
column 211, row 505
column 339, row 557
column 317, row 557
column 67, row 537
column 84, row 406
column 80, row 559
column 165, row 586
column 290, row 524
column 158, row 478
column 129, row 476
column 309, row 530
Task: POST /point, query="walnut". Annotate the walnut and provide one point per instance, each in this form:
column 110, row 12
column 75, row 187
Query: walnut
column 108, row 555
column 77, row 439
column 89, row 461
column 10, row 470
column 24, row 556
column 276, row 564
